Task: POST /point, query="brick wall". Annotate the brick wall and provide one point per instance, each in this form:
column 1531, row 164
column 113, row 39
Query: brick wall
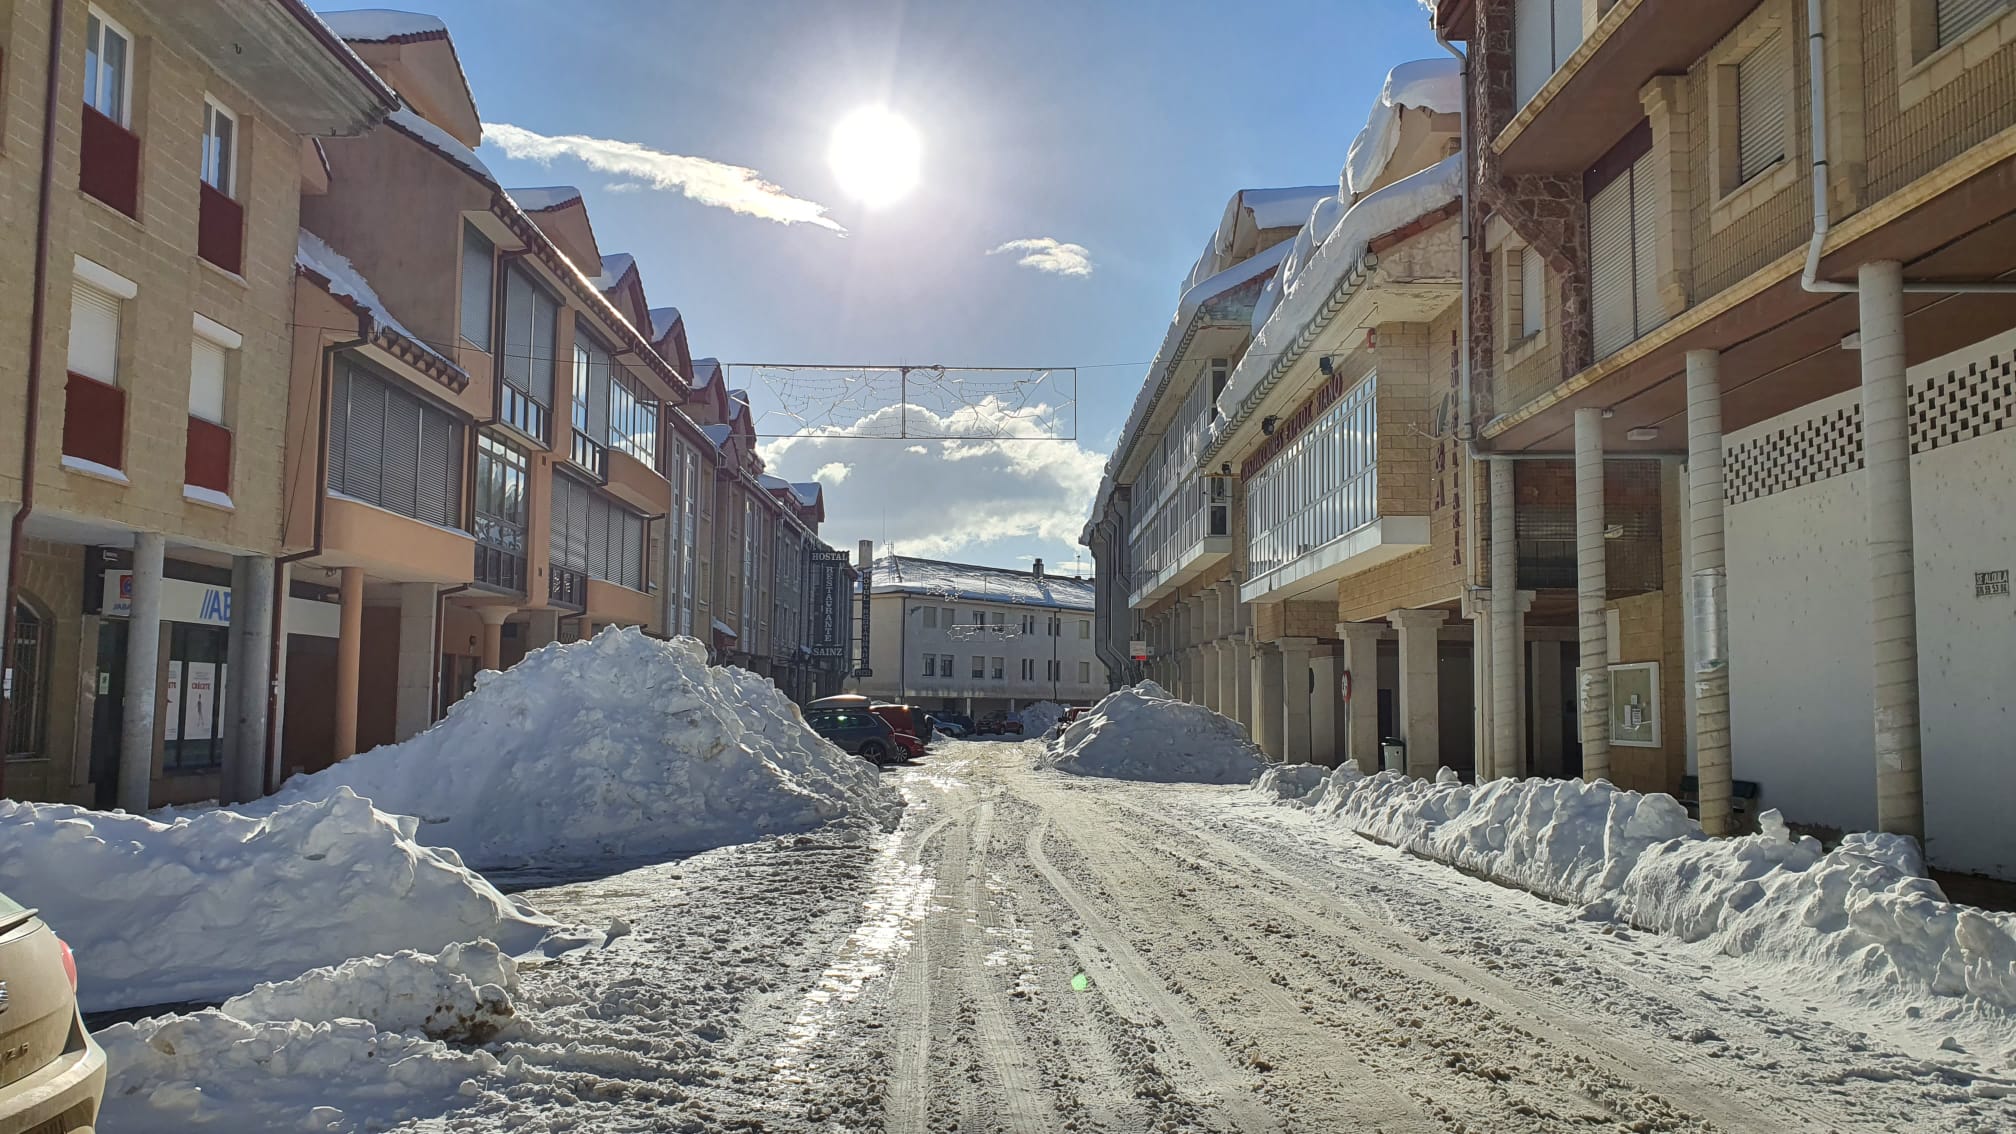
column 1979, row 101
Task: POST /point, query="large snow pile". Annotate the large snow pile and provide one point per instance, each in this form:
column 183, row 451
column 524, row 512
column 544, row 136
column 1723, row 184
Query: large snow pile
column 1140, row 733
column 1862, row 919
column 619, row 746
column 210, row 904
column 1038, row 719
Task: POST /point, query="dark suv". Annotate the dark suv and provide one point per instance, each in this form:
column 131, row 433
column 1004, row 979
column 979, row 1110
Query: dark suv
column 857, row 731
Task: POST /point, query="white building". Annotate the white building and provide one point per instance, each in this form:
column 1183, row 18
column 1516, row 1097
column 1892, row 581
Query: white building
column 979, row 639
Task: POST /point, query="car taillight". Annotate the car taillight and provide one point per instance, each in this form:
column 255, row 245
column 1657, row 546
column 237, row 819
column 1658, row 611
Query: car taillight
column 69, row 964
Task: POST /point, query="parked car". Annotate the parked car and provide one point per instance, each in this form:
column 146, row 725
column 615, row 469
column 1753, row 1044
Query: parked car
column 910, row 726
column 857, row 731
column 960, row 721
column 946, row 726
column 52, row 1074
column 1072, row 714
column 999, row 724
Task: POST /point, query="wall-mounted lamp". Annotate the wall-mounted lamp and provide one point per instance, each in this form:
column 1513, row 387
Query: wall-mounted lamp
column 1225, row 468
column 1326, row 366
column 1642, row 433
column 1268, row 423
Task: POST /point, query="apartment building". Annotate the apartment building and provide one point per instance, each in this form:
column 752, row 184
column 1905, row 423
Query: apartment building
column 977, row 640
column 154, row 181
column 1769, row 244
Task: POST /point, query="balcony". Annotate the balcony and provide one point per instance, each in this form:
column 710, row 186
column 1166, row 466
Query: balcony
column 1185, row 532
column 94, row 421
column 566, row 588
column 637, row 484
column 525, row 414
column 108, row 167
column 1592, row 101
column 220, row 229
column 1312, row 513
column 206, row 461
column 590, row 456
column 500, row 569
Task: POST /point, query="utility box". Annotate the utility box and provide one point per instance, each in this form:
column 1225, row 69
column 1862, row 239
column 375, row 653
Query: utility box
column 1393, row 754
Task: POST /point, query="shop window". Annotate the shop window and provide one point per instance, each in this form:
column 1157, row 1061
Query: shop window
column 193, row 725
column 27, row 685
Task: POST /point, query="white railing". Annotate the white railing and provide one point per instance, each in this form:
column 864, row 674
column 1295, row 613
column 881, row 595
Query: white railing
column 1324, row 485
column 1197, row 510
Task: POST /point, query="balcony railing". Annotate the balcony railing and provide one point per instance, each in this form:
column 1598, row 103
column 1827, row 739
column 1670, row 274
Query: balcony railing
column 591, row 455
column 108, row 167
column 1324, row 485
column 220, row 229
column 206, row 460
column 94, row 421
column 1199, row 509
column 566, row 587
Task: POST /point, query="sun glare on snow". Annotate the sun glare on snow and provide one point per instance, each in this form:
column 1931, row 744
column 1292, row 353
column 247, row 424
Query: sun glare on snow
column 875, row 156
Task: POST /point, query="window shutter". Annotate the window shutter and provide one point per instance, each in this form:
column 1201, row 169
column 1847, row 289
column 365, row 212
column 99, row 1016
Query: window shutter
column 1761, row 87
column 545, row 313
column 1567, row 30
column 1610, row 272
column 94, row 332
column 206, row 380
column 478, row 264
column 402, row 455
column 339, row 428
column 1957, row 17
column 633, row 551
column 1532, row 292
column 440, row 460
column 579, row 504
column 1532, row 48
column 1648, row 310
column 518, row 320
column 365, row 443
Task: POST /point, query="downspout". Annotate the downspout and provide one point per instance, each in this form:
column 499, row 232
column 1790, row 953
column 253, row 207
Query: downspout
column 278, row 643
column 440, row 632
column 1816, row 70
column 32, row 425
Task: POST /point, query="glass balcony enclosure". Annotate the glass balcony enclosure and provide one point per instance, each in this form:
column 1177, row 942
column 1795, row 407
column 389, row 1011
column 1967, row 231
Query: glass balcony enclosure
column 1323, row 486
column 1178, row 514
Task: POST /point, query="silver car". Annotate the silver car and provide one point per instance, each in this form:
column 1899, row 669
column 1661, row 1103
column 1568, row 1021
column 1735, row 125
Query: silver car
column 52, row 1074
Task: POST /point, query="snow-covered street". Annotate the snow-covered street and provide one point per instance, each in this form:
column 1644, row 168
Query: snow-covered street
column 1033, row 951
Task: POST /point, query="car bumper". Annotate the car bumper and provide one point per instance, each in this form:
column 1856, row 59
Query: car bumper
column 69, row 1088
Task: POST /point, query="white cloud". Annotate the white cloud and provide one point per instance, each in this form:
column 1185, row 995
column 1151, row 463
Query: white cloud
column 623, row 186
column 1048, row 254
column 709, row 182
column 997, row 483
column 832, row 473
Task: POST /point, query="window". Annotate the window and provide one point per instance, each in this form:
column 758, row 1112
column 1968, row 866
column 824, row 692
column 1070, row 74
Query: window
column 1323, row 485
column 207, row 360
column 1084, row 629
column 531, row 319
column 1029, row 624
column 945, row 665
column 1763, row 90
column 1028, row 669
column 1544, row 34
column 931, row 617
column 24, row 727
column 394, row 449
column 1056, row 670
column 1953, row 19
column 94, row 333
column 1623, row 218
column 594, row 536
column 220, row 148
column 193, row 729
column 1532, row 292
column 997, row 618
column 94, row 407
column 479, row 279
column 1000, row 668
column 500, row 513
column 108, row 69
column 979, row 619
column 979, row 668
column 1084, row 673
column 206, row 458
column 633, row 418
column 930, row 665
column 1056, row 626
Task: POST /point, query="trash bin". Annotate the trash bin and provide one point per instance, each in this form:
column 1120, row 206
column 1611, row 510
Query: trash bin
column 1393, row 754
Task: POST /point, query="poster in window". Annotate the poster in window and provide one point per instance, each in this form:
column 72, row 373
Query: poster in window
column 173, row 730
column 200, row 720
column 1634, row 705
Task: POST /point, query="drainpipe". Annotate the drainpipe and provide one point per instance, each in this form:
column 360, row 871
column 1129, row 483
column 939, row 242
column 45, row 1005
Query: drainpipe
column 281, row 582
column 33, row 423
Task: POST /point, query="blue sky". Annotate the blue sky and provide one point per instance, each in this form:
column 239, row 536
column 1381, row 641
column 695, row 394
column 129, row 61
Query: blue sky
column 1122, row 127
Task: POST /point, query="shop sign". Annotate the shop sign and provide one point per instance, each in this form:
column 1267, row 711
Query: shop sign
column 207, row 605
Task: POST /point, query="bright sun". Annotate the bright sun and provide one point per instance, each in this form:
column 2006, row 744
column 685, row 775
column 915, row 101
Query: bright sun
column 875, row 156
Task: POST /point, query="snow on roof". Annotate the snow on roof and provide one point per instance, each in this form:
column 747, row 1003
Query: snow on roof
column 718, row 434
column 1337, row 254
column 313, row 253
column 721, row 627
column 705, row 370
column 738, row 403
column 614, row 264
column 371, row 25
column 1280, row 208
column 807, row 492
column 903, row 574
column 439, row 139
column 662, row 319
column 542, row 197
column 1431, row 84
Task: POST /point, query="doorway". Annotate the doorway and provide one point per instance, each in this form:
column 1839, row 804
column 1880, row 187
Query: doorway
column 107, row 713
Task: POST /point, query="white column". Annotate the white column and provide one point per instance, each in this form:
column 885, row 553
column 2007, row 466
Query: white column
column 1886, row 449
column 1295, row 698
column 413, row 709
column 1267, row 711
column 1505, row 632
column 1324, row 714
column 1420, row 715
column 1592, row 590
column 1242, row 679
column 1361, row 713
column 1207, row 648
column 143, row 667
column 250, row 676
column 1707, row 567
